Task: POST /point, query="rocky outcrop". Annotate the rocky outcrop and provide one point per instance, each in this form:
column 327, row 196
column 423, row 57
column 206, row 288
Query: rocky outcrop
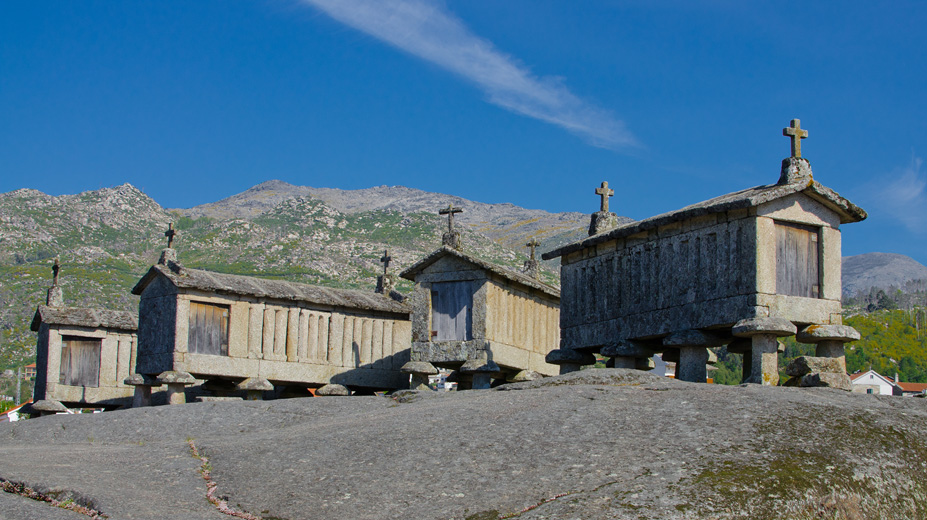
column 592, row 444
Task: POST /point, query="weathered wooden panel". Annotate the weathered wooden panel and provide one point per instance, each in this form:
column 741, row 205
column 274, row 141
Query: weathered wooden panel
column 80, row 362
column 208, row 332
column 797, row 256
column 451, row 304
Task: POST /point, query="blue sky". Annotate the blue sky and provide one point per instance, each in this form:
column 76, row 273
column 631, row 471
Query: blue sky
column 530, row 102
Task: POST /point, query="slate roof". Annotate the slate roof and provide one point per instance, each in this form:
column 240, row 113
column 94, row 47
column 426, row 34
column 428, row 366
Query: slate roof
column 748, row 198
column 83, row 317
column 221, row 283
column 508, row 274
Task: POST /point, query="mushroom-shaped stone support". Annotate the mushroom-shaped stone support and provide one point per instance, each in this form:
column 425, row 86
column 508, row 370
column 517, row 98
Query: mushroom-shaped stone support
column 176, row 381
column 829, row 341
column 142, row 384
column 48, row 407
column 419, row 372
column 482, row 370
column 693, row 348
column 255, row 387
column 333, row 389
column 569, row 360
column 762, row 357
column 627, row 354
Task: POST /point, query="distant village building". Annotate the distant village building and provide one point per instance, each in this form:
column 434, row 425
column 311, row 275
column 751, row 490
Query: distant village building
column 751, row 265
column 483, row 320
column 82, row 355
column 256, row 333
column 872, row 382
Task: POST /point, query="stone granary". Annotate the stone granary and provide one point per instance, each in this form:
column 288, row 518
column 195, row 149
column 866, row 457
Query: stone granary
column 252, row 332
column 479, row 318
column 82, row 355
column 753, row 264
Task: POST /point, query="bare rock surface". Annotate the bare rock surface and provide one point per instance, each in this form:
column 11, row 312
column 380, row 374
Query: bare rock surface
column 597, row 443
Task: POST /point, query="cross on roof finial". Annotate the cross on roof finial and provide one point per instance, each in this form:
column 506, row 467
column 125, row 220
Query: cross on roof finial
column 56, row 268
column 605, row 193
column 532, row 245
column 795, row 132
column 385, row 259
column 170, row 235
column 449, row 211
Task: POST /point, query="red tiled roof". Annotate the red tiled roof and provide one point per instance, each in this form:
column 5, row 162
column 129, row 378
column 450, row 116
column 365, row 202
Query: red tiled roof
column 913, row 387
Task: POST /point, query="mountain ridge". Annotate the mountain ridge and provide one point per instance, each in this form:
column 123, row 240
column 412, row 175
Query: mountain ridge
column 880, row 270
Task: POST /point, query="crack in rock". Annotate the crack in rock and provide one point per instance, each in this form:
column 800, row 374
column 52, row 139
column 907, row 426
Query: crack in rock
column 221, row 503
column 21, row 489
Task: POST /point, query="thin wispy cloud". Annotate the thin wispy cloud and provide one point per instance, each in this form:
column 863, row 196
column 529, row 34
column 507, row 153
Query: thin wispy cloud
column 904, row 196
column 427, row 30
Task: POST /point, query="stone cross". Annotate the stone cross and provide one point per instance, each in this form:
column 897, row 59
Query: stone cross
column 605, row 193
column 532, row 245
column 795, row 132
column 385, row 259
column 55, row 269
column 449, row 211
column 170, row 235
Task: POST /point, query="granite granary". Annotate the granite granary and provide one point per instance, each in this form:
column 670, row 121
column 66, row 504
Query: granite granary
column 82, row 354
column 482, row 320
column 740, row 270
column 244, row 334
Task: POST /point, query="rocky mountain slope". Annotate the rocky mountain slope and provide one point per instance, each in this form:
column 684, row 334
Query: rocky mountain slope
column 507, row 224
column 594, row 444
column 880, row 270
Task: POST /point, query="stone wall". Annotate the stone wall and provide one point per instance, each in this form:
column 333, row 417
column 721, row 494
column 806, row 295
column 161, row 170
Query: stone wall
column 157, row 310
column 707, row 271
column 295, row 342
column 117, row 353
column 524, row 321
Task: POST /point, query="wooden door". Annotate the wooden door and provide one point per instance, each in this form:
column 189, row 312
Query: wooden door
column 80, row 361
column 209, row 329
column 450, row 311
column 797, row 258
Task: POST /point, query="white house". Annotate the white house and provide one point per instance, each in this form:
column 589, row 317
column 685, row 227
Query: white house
column 872, row 382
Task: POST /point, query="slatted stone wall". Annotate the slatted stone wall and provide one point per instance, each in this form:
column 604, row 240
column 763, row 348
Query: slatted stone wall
column 522, row 320
column 300, row 335
column 654, row 276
